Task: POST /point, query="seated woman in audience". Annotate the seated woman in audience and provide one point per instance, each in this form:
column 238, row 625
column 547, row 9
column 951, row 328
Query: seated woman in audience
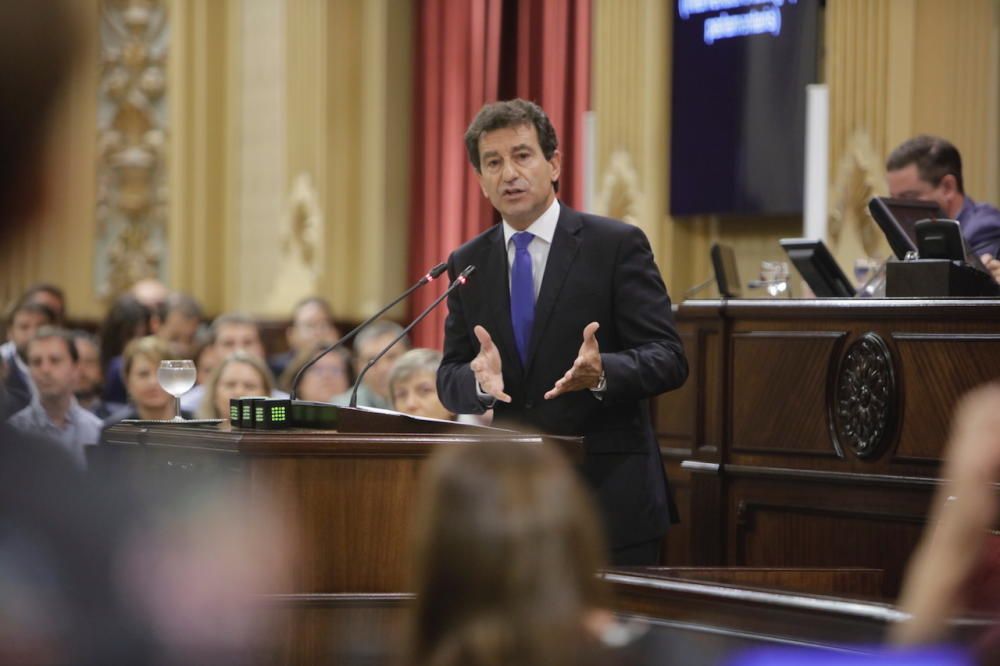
column 413, row 385
column 507, row 547
column 128, row 319
column 239, row 374
column 147, row 399
column 329, row 376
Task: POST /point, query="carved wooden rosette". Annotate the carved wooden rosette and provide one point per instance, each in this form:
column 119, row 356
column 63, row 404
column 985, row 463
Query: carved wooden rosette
column 864, row 401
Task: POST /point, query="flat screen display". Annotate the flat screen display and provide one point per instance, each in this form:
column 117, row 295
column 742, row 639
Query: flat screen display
column 738, row 103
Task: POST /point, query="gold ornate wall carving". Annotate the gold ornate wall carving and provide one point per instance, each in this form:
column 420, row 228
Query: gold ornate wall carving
column 300, row 258
column 132, row 140
column 619, row 196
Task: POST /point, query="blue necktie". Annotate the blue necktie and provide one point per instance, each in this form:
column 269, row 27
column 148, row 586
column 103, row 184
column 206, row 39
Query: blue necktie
column 522, row 294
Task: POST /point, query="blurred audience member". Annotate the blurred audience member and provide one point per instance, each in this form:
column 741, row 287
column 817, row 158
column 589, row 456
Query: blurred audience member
column 236, row 331
column 230, row 332
column 206, row 358
column 22, row 324
column 89, row 380
column 374, row 390
column 413, row 385
column 182, row 597
column 153, row 294
column 240, row 374
column 958, row 529
column 52, row 360
column 147, row 399
column 508, row 545
column 127, row 319
column 50, row 296
column 312, row 326
column 181, row 319
column 327, row 377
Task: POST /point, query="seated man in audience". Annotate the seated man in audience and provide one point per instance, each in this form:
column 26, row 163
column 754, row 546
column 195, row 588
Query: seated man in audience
column 181, row 319
column 413, row 385
column 23, row 323
column 231, row 332
column 52, row 359
column 89, row 380
column 374, row 390
column 50, row 296
column 312, row 326
column 929, row 168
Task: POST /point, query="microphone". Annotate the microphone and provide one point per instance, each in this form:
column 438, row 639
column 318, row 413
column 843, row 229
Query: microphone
column 459, row 281
column 431, row 275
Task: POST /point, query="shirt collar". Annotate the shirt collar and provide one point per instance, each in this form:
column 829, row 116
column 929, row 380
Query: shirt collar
column 41, row 417
column 544, row 227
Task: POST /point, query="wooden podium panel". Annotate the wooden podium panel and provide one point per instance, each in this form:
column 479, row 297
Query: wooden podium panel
column 349, row 496
column 811, row 431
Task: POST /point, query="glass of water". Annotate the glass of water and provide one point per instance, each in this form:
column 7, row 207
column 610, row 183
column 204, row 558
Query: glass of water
column 177, row 378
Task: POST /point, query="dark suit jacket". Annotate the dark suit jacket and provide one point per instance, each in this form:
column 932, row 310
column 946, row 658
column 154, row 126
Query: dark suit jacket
column 597, row 270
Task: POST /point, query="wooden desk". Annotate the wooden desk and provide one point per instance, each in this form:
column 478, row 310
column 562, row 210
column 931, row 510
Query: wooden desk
column 697, row 617
column 350, row 495
column 810, row 432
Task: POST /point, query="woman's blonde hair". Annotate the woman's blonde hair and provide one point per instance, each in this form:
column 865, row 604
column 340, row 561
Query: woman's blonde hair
column 508, row 545
column 150, row 346
column 206, row 410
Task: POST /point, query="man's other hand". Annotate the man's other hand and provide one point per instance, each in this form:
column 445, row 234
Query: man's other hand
column 587, row 368
column 487, row 366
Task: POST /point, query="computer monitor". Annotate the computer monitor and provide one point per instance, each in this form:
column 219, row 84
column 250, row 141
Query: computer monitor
column 818, row 268
column 898, row 218
column 727, row 278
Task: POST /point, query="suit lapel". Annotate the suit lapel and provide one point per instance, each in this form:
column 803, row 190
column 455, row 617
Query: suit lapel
column 565, row 243
column 495, row 276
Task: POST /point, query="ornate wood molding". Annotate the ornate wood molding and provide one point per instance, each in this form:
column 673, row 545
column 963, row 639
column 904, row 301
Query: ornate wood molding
column 132, row 139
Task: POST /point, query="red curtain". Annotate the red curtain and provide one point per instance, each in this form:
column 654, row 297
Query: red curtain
column 469, row 52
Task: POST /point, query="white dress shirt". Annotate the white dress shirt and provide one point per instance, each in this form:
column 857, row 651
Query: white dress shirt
column 544, row 228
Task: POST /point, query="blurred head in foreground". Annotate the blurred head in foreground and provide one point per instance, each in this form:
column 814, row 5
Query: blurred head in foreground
column 507, row 547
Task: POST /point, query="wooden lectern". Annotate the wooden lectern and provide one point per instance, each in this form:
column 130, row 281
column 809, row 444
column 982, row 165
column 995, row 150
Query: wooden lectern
column 350, row 494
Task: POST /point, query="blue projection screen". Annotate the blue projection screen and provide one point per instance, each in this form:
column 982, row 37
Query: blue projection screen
column 738, row 103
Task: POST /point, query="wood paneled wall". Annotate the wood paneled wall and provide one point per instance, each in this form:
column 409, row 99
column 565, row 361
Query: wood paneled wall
column 895, row 68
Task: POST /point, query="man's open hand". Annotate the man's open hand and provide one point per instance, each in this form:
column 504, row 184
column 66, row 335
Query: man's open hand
column 587, row 368
column 486, row 365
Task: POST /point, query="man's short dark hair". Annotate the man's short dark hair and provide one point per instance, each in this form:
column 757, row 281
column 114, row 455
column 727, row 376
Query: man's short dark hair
column 33, row 308
column 319, row 301
column 935, row 158
column 233, row 319
column 186, row 304
column 49, row 332
column 511, row 113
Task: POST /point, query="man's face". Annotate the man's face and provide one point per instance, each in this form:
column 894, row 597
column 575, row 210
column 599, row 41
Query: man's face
column 906, row 183
column 23, row 328
column 52, row 368
column 178, row 331
column 514, row 174
column 245, row 337
column 377, row 378
column 310, row 327
column 88, row 378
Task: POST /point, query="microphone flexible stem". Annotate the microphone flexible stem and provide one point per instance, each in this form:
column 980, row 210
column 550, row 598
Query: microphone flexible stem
column 430, row 276
column 459, row 281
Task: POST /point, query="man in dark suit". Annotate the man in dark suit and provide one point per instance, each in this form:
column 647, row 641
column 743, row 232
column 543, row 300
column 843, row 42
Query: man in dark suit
column 565, row 328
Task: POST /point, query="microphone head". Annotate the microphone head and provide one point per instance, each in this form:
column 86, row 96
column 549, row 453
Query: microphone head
column 436, row 272
column 469, row 270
